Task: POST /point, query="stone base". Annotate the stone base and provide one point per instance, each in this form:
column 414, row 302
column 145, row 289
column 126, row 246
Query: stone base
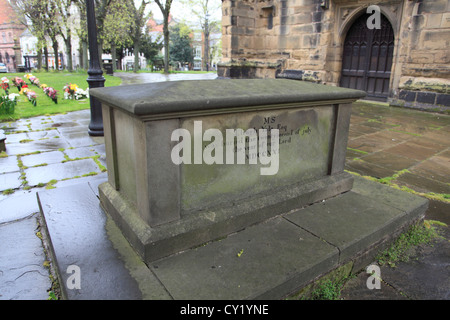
column 268, row 260
column 153, row 243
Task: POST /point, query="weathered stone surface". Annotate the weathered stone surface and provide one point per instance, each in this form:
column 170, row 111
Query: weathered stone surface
column 43, row 158
column 268, row 260
column 10, row 181
column 163, row 205
column 265, row 261
column 8, row 164
column 73, row 213
column 158, row 99
column 27, row 278
column 363, row 216
column 67, row 170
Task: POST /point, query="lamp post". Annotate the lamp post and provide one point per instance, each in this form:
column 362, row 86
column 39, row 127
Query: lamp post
column 95, row 78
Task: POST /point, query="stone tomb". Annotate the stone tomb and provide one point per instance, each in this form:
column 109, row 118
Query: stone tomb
column 188, row 162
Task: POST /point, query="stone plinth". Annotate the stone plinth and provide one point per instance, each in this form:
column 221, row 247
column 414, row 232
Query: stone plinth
column 178, row 177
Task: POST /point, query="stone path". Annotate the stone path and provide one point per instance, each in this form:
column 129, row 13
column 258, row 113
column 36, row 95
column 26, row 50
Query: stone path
column 407, row 148
column 411, row 150
column 49, row 151
column 42, row 153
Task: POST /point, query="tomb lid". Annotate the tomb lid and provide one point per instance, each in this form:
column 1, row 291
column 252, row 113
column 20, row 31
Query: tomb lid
column 224, row 95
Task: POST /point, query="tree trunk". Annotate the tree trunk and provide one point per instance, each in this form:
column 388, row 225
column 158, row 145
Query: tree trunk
column 85, row 54
column 46, row 58
column 166, row 43
column 55, row 52
column 113, row 56
column 136, row 56
column 69, row 53
column 39, row 57
column 100, row 52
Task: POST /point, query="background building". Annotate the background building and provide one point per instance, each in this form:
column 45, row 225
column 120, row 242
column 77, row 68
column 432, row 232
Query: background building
column 10, row 31
column 406, row 61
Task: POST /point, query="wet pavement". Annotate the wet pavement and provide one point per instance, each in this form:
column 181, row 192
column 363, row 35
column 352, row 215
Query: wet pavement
column 406, row 149
column 401, row 147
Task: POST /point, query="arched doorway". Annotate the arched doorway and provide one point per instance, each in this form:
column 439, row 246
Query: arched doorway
column 367, row 58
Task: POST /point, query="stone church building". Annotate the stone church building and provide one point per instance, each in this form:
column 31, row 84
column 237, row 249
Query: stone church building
column 397, row 51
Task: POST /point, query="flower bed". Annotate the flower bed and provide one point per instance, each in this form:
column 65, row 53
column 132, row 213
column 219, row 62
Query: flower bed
column 72, row 91
column 18, row 82
column 30, row 94
column 51, row 93
column 5, row 84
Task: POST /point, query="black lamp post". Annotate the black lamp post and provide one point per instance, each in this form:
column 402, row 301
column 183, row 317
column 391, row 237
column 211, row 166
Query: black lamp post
column 95, row 72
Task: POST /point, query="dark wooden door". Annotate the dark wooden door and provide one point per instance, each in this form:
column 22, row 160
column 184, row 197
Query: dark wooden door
column 367, row 58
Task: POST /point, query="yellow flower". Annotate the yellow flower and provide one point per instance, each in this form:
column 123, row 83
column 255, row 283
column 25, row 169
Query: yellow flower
column 24, row 90
column 73, row 87
column 43, row 86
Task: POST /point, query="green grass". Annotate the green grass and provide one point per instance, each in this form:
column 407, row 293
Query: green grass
column 400, row 251
column 45, row 106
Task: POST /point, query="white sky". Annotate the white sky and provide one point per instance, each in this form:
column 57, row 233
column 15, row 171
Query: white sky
column 179, row 11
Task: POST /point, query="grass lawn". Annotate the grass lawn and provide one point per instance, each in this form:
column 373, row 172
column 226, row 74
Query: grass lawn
column 45, row 105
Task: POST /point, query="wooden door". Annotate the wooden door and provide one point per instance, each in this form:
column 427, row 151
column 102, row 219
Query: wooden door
column 367, row 58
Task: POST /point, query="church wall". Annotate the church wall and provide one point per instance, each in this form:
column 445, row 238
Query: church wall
column 303, row 39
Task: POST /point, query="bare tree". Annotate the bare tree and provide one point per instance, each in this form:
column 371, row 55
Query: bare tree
column 140, row 18
column 165, row 6
column 203, row 11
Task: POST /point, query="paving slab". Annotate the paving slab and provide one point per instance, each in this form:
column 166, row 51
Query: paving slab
column 371, row 143
column 368, row 169
column 421, row 183
column 350, row 222
column 22, row 276
column 413, row 205
column 8, row 164
column 16, row 207
column 82, row 152
column 50, row 157
column 389, row 160
column 266, row 261
column 15, row 137
column 411, row 150
column 60, row 171
column 80, row 139
column 36, row 145
column 10, row 181
column 436, row 168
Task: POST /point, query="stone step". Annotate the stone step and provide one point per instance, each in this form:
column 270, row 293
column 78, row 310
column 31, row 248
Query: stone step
column 269, row 260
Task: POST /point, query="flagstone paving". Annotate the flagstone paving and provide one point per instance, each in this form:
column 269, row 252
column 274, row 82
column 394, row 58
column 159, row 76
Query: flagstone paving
column 403, row 148
column 51, row 148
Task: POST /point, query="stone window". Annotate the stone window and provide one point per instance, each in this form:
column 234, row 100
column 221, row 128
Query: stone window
column 268, row 13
